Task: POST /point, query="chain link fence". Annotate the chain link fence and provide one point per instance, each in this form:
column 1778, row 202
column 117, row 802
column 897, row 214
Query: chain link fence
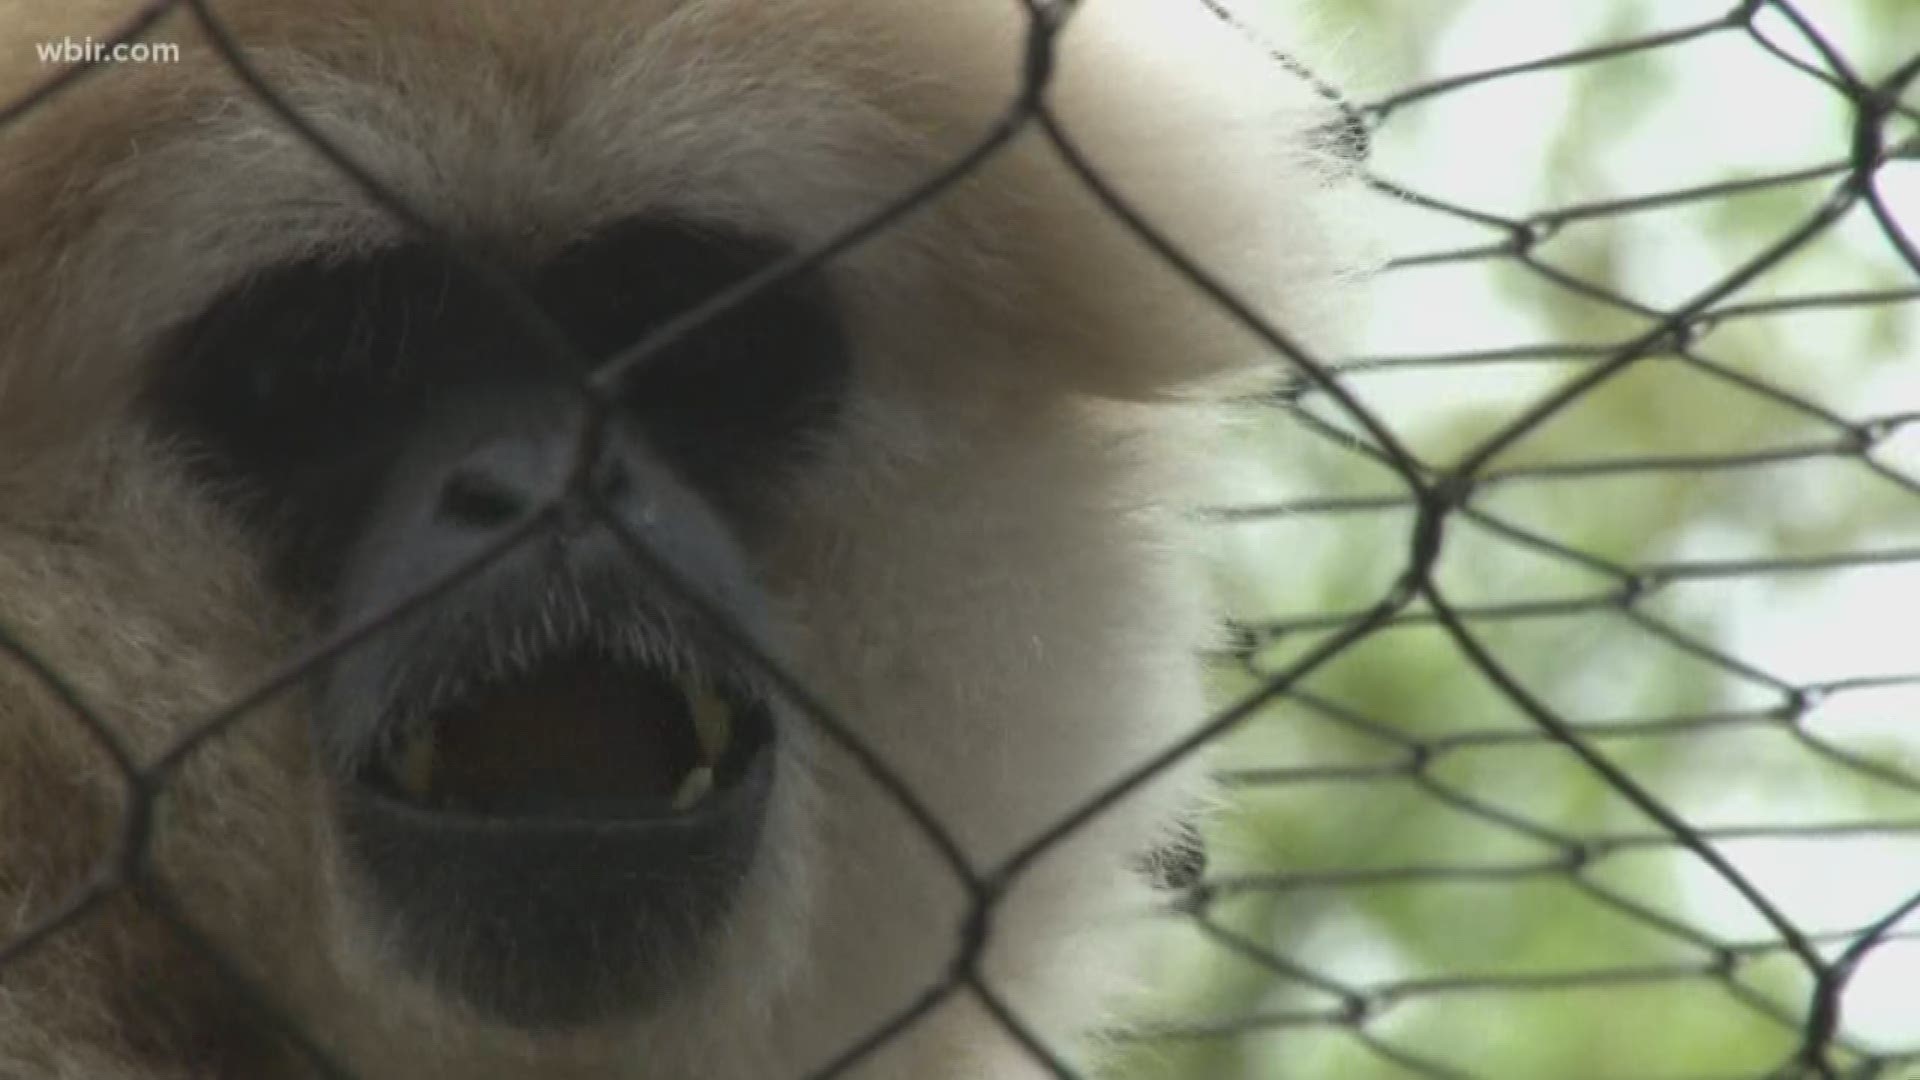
column 1512, row 796
column 1570, row 797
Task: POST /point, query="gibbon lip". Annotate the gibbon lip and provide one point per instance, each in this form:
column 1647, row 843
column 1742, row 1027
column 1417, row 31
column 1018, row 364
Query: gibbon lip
column 582, row 737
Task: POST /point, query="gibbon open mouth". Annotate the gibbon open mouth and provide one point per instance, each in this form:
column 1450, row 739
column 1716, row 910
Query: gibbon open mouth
column 558, row 844
column 587, row 737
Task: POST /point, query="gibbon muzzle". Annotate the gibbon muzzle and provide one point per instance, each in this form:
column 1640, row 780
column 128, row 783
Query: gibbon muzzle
column 549, row 781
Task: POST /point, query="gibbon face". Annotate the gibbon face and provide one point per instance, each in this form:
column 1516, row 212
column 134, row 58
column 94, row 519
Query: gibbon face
column 363, row 677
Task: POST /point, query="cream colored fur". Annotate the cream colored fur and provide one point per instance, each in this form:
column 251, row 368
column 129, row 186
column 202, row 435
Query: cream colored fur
column 988, row 571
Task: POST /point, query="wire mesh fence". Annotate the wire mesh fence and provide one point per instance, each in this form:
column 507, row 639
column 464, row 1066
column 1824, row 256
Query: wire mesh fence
column 1479, row 763
column 1467, row 828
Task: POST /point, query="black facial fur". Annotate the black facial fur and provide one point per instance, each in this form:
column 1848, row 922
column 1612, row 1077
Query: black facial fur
column 383, row 422
column 303, row 382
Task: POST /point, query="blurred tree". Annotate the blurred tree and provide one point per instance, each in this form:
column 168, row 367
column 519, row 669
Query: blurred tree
column 1408, row 879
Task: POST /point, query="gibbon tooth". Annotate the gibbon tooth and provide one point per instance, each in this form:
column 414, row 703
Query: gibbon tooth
column 695, row 787
column 712, row 722
column 414, row 769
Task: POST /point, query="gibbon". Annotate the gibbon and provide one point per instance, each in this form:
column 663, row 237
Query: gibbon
column 400, row 676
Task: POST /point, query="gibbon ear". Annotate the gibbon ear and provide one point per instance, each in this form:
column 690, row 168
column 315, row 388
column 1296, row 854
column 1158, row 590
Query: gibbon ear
column 1180, row 861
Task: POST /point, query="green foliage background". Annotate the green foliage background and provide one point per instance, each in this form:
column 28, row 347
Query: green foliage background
column 1486, row 975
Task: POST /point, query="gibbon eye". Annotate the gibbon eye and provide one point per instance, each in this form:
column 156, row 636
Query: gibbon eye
column 293, row 388
column 730, row 401
column 292, row 360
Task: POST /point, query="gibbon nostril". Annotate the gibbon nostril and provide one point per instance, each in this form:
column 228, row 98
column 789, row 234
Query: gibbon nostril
column 611, row 483
column 477, row 500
